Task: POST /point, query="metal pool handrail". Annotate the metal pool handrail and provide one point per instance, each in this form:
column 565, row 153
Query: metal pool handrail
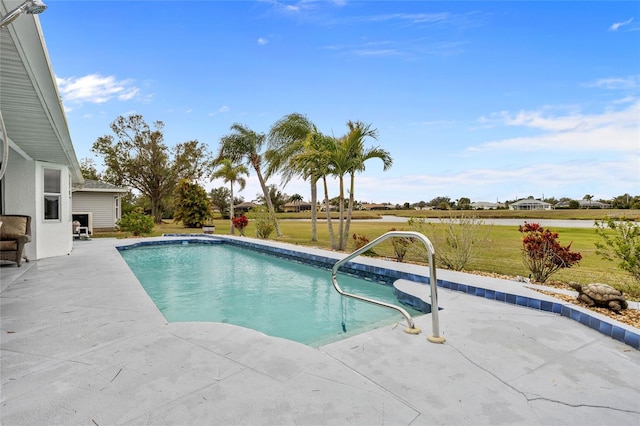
column 435, row 338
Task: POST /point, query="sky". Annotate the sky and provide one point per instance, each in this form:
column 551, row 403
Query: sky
column 492, row 101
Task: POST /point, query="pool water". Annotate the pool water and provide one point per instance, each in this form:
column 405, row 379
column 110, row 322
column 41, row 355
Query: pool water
column 223, row 283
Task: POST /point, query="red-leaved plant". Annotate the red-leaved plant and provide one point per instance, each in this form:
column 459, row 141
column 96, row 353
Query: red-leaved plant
column 542, row 254
column 240, row 223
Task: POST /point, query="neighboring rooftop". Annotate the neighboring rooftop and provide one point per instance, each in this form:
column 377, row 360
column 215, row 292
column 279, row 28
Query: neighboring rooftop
column 98, row 186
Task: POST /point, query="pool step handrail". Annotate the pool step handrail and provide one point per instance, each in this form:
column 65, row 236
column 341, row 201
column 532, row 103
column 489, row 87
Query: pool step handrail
column 431, row 258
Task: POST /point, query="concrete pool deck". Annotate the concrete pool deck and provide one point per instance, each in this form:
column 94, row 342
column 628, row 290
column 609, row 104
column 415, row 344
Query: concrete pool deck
column 82, row 343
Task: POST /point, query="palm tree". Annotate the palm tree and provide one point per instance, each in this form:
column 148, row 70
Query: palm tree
column 358, row 155
column 315, row 161
column 296, row 199
column 347, row 156
column 289, row 137
column 244, row 145
column 231, row 173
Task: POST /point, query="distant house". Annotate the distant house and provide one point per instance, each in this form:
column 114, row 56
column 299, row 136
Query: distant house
column 243, row 207
column 97, row 205
column 296, row 207
column 585, row 204
column 530, row 204
column 485, row 205
column 377, row 207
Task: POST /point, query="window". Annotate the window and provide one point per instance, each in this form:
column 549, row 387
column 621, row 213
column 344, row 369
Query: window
column 52, row 187
column 117, row 206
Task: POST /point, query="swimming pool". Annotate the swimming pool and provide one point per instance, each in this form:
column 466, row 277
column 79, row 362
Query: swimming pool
column 224, row 283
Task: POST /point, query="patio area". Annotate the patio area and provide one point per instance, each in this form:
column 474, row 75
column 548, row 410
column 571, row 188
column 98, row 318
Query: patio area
column 82, row 343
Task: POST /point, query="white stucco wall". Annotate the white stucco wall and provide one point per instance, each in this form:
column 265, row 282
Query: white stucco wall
column 23, row 193
column 18, row 191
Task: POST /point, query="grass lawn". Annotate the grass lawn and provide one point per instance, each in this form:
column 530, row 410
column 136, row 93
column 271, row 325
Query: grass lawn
column 500, row 255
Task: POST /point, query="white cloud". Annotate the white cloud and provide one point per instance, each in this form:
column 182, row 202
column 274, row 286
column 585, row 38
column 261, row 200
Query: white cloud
column 222, row 109
column 571, row 178
column 95, row 88
column 617, row 83
column 617, row 25
column 376, row 52
column 415, row 18
column 262, row 41
column 612, row 130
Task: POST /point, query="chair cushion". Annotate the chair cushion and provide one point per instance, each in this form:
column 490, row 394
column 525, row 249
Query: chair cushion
column 12, row 227
column 8, row 245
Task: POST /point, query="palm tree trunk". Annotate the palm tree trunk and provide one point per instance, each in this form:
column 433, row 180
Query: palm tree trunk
column 350, row 209
column 231, row 230
column 341, row 236
column 314, row 211
column 328, row 210
column 263, row 185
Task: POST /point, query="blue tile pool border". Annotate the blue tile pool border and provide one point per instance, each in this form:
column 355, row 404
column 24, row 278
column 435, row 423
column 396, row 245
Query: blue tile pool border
column 388, row 276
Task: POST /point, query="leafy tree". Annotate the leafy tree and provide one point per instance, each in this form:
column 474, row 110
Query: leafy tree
column 289, row 137
column 221, row 199
column 574, row 204
column 191, row 204
column 442, row 203
column 243, row 144
column 623, row 245
column 137, row 157
column 626, row 201
column 464, row 203
column 89, row 170
column 230, row 173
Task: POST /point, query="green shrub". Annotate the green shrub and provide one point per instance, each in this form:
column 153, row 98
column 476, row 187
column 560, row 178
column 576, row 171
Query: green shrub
column 455, row 241
column 360, row 241
column 400, row 245
column 623, row 245
column 136, row 223
column 263, row 221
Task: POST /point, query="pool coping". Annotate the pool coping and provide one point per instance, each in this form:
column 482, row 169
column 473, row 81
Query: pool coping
column 500, row 290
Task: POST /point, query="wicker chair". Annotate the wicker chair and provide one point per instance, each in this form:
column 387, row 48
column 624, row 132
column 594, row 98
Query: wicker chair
column 15, row 232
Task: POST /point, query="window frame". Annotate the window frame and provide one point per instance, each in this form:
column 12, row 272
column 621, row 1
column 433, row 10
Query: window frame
column 52, row 196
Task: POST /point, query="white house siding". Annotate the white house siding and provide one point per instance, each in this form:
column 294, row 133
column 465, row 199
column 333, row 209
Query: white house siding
column 100, row 204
